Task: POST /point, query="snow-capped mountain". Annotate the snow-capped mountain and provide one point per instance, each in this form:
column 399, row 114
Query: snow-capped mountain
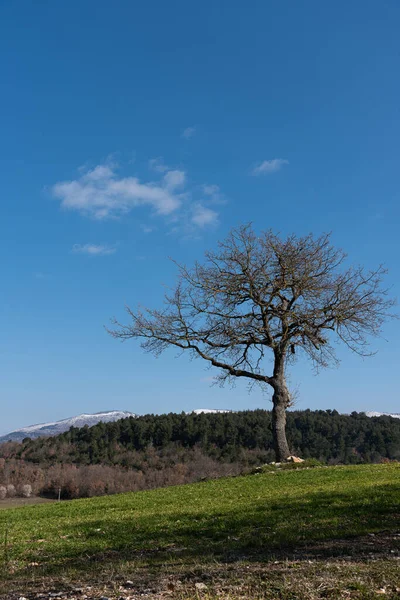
column 374, row 413
column 199, row 411
column 56, row 427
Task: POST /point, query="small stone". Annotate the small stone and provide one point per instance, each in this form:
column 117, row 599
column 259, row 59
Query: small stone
column 129, row 583
column 294, row 459
column 200, row 586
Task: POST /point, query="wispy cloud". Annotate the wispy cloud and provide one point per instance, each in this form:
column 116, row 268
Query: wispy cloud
column 188, row 132
column 269, row 166
column 146, row 228
column 158, row 165
column 93, row 249
column 203, row 216
column 174, row 179
column 211, row 190
column 214, row 194
column 102, row 194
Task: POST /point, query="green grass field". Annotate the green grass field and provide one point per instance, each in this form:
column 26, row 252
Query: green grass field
column 316, row 533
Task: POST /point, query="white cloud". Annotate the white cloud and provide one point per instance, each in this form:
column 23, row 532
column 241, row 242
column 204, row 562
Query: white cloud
column 188, row 132
column 93, row 249
column 269, row 166
column 174, row 179
column 101, row 194
column 203, row 216
column 146, row 228
column 158, row 165
column 214, row 194
column 211, row 190
column 99, row 173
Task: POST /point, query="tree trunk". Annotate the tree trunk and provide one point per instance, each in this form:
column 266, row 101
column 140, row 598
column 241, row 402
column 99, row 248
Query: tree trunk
column 280, row 401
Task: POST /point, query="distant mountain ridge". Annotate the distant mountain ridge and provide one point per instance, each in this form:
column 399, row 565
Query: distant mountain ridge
column 374, row 413
column 56, row 427
column 200, row 411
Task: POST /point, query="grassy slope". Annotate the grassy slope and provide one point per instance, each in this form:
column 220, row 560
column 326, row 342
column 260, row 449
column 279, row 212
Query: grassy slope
column 190, row 529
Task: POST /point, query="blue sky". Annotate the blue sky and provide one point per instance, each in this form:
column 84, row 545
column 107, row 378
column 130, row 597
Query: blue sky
column 131, row 132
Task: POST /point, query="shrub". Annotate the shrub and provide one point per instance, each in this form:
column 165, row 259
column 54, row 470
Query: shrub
column 11, row 492
column 26, row 490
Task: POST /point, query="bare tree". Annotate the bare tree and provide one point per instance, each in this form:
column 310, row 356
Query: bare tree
column 260, row 297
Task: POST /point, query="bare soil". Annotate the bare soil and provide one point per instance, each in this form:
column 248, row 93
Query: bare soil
column 18, row 502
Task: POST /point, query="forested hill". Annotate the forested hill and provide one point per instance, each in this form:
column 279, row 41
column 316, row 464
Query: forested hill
column 324, row 435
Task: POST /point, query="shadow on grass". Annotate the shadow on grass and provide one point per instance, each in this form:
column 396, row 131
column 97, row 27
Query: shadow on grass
column 314, row 525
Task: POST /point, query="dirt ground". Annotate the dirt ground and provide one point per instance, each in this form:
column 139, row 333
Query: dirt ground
column 17, row 502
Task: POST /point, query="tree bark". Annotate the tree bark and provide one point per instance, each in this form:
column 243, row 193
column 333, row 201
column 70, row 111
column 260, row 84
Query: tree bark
column 280, row 400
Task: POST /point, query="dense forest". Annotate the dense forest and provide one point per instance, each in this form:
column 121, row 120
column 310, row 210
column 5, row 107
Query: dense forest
column 325, row 435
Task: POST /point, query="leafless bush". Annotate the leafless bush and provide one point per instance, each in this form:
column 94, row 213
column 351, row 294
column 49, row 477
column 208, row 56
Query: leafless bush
column 26, row 490
column 11, row 491
column 149, row 469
